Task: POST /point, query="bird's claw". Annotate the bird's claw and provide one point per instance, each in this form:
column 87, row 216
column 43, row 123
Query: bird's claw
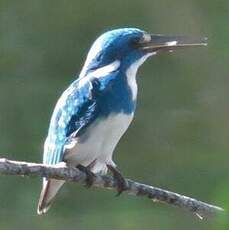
column 120, row 180
column 90, row 176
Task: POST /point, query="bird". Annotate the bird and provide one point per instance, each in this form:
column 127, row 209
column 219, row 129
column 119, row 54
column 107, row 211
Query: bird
column 94, row 112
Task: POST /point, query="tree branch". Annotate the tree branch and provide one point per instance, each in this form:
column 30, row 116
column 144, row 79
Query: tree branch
column 201, row 209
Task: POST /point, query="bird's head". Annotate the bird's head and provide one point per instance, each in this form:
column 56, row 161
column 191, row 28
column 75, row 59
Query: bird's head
column 128, row 45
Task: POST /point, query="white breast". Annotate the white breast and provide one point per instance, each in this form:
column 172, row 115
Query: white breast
column 99, row 142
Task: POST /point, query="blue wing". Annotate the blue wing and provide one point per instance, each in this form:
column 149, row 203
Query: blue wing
column 76, row 109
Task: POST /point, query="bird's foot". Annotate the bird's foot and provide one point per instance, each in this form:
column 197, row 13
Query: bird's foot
column 120, row 180
column 90, row 176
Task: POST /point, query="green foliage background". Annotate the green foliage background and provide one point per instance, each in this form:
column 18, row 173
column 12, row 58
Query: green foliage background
column 178, row 140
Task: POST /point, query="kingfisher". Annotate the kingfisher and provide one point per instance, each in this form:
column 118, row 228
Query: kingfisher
column 94, row 112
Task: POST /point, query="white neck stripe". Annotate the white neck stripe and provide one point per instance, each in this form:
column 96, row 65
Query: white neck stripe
column 105, row 70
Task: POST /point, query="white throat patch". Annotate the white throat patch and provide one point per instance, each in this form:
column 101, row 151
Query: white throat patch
column 132, row 71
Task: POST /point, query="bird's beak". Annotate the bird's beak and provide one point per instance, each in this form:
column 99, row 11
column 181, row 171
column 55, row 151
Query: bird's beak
column 158, row 43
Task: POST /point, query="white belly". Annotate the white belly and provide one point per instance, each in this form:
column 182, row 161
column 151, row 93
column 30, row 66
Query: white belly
column 98, row 143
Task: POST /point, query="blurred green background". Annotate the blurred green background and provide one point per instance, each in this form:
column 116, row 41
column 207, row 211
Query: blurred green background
column 179, row 139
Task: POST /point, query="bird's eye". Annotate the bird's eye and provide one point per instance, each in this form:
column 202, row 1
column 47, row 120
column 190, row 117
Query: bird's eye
column 135, row 42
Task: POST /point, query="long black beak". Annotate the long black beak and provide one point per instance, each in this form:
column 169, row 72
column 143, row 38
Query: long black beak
column 158, row 42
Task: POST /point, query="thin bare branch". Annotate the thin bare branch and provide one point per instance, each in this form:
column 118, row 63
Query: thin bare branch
column 201, row 209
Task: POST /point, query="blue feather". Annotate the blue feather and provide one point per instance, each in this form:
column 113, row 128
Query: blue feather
column 86, row 99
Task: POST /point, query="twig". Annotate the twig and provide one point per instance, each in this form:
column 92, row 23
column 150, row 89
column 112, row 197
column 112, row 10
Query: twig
column 201, row 209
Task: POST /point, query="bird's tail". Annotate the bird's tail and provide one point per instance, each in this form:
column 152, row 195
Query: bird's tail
column 48, row 192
